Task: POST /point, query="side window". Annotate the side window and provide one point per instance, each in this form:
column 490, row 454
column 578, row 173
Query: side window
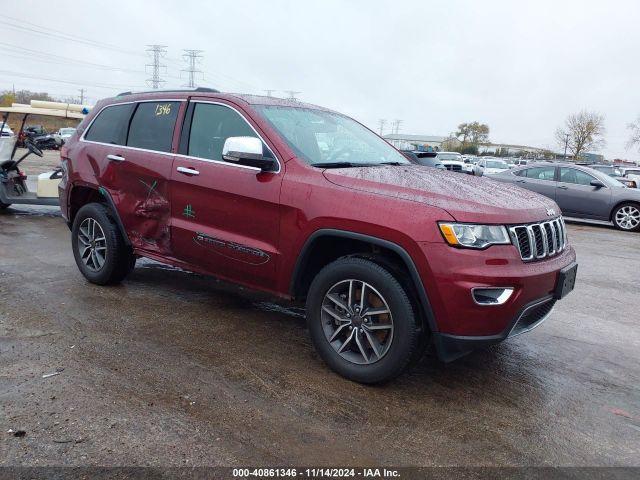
column 110, row 126
column 539, row 173
column 152, row 126
column 572, row 175
column 211, row 126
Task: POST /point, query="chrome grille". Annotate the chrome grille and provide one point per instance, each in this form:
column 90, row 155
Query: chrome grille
column 539, row 240
column 455, row 168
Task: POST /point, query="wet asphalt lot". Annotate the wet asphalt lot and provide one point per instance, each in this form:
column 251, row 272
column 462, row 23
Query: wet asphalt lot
column 174, row 369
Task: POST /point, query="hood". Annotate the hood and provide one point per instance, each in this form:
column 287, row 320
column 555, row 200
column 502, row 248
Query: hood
column 465, row 197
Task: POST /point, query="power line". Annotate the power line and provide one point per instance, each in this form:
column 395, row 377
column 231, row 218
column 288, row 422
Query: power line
column 157, row 52
column 58, row 34
column 57, row 80
column 192, row 57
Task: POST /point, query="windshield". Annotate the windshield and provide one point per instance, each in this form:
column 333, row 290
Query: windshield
column 321, row 137
column 496, row 164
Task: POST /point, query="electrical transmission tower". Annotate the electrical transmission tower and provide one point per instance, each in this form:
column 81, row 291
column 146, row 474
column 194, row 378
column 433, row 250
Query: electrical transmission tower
column 269, row 92
column 82, row 90
column 292, row 94
column 382, row 122
column 396, row 126
column 192, row 57
column 156, row 52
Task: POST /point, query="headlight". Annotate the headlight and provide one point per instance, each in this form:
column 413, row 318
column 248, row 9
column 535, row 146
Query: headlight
column 474, row 236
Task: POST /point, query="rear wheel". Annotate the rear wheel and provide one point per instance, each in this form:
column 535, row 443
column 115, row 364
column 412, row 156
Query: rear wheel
column 627, row 217
column 361, row 320
column 99, row 249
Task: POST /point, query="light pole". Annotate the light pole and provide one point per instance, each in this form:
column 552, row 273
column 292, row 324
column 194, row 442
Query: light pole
column 566, row 142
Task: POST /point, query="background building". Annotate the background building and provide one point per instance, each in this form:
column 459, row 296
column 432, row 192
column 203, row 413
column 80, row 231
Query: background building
column 403, row 141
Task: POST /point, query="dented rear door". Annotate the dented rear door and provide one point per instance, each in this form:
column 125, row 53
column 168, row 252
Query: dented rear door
column 139, row 174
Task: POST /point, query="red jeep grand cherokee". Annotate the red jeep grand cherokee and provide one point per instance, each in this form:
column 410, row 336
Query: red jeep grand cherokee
column 303, row 202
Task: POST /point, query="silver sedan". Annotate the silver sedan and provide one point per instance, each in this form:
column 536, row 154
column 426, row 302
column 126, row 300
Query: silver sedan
column 580, row 192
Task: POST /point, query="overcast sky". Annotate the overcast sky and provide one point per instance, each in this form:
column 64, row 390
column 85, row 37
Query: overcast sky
column 520, row 67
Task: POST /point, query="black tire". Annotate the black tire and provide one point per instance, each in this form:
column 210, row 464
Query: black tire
column 4, row 205
column 118, row 258
column 406, row 335
column 616, row 220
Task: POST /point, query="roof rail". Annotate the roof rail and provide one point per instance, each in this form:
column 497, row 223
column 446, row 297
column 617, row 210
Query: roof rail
column 197, row 89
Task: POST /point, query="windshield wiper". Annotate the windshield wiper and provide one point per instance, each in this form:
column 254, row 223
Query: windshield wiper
column 335, row 165
column 391, row 163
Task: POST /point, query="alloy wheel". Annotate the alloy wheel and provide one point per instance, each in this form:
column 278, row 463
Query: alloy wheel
column 357, row 321
column 92, row 244
column 628, row 217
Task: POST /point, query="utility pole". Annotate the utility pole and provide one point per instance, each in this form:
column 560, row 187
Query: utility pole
column 156, row 52
column 192, row 57
column 382, row 122
column 566, row 142
column 269, row 92
column 81, row 96
column 292, row 94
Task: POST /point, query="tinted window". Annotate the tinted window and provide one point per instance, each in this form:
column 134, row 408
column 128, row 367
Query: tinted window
column 110, row 126
column 572, row 175
column 211, row 126
column 152, row 126
column 539, row 173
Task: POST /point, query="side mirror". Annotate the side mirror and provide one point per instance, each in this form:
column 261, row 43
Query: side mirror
column 247, row 151
column 597, row 184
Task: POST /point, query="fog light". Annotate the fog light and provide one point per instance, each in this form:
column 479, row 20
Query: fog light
column 491, row 296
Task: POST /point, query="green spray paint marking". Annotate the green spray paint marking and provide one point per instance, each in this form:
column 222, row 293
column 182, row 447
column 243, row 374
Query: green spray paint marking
column 188, row 212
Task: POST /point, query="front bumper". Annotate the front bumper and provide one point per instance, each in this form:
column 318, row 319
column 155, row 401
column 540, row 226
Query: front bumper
column 451, row 347
column 450, row 275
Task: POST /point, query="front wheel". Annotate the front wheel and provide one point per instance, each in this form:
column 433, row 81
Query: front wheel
column 627, row 217
column 361, row 320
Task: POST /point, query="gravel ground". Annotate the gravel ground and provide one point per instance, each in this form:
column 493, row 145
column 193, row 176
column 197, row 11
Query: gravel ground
column 172, row 368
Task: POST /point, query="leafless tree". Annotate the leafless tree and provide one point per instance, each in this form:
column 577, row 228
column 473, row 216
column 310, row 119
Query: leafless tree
column 581, row 132
column 634, row 138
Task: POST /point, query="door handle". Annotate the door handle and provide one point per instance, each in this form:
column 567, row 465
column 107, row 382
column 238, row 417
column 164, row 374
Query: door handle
column 563, row 187
column 188, row 171
column 115, row 158
column 521, row 181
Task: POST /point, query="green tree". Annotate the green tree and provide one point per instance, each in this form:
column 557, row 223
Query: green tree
column 473, row 133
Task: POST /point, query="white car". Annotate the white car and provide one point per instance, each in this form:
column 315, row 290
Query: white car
column 452, row 161
column 6, row 130
column 491, row 166
column 63, row 135
column 632, row 173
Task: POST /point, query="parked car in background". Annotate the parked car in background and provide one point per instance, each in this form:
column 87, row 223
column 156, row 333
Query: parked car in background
column 580, row 192
column 64, row 134
column 6, row 131
column 615, row 172
column 452, row 161
column 632, row 173
column 491, row 166
column 428, row 159
column 389, row 256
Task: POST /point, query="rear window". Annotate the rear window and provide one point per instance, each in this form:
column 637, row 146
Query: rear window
column 152, row 126
column 110, row 126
